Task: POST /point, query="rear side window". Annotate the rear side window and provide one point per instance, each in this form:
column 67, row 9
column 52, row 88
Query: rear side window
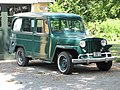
column 17, row 24
column 27, row 25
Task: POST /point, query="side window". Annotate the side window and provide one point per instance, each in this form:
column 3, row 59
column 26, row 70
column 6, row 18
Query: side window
column 40, row 26
column 27, row 25
column 17, row 24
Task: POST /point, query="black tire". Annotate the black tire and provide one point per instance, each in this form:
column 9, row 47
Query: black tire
column 104, row 66
column 64, row 63
column 21, row 58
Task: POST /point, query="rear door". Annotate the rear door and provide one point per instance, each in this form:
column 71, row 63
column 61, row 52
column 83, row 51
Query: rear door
column 41, row 40
column 25, row 36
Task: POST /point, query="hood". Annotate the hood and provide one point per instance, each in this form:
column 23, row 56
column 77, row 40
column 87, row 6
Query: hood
column 69, row 38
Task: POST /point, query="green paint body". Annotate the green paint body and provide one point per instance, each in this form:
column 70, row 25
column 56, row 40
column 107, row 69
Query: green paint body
column 44, row 45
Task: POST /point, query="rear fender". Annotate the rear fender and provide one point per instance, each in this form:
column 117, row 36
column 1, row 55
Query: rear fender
column 12, row 46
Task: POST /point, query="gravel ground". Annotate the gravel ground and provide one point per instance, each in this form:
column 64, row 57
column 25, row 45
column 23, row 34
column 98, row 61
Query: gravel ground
column 41, row 76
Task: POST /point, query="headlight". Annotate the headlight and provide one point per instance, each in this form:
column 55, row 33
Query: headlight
column 82, row 44
column 103, row 42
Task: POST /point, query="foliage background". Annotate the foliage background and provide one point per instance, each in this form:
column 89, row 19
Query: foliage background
column 101, row 17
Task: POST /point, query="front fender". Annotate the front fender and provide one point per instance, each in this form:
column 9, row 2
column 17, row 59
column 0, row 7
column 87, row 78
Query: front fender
column 106, row 48
column 67, row 47
column 60, row 48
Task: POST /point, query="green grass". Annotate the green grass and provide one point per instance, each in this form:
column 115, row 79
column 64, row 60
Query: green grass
column 115, row 50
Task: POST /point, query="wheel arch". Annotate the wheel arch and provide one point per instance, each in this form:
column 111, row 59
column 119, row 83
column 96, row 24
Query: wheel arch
column 73, row 52
column 18, row 47
column 29, row 57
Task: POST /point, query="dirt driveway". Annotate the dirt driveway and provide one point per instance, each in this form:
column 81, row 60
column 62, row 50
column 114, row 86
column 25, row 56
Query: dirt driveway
column 41, row 76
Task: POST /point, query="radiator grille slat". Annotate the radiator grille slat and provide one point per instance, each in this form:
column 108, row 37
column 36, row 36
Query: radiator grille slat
column 93, row 46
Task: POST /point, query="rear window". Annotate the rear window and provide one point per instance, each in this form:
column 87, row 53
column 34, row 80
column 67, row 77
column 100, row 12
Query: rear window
column 17, row 24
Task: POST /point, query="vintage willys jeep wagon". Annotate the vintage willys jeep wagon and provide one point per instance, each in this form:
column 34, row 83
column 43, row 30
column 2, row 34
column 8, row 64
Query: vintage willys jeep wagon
column 59, row 38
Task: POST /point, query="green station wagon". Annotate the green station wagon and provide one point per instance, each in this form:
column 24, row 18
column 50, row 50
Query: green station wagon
column 57, row 38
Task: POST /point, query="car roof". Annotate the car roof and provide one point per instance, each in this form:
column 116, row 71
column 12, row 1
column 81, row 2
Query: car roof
column 45, row 14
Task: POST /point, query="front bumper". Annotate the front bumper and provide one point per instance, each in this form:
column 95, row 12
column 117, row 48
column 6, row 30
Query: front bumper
column 88, row 59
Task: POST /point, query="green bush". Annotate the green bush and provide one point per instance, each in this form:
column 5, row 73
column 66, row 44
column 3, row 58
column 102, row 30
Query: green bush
column 109, row 29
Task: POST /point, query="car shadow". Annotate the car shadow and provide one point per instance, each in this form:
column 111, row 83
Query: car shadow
column 78, row 69
column 43, row 65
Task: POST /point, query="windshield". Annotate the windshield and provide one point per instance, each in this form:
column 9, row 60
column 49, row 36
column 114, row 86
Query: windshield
column 67, row 25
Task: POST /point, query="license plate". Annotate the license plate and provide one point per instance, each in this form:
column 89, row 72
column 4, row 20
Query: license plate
column 96, row 54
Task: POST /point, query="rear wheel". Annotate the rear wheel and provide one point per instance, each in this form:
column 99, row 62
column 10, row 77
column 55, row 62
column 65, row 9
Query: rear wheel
column 104, row 66
column 21, row 58
column 64, row 63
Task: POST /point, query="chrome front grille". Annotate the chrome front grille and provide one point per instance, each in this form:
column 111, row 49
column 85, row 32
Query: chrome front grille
column 93, row 45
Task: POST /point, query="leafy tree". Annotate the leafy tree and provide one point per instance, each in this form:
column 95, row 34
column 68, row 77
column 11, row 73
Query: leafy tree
column 90, row 10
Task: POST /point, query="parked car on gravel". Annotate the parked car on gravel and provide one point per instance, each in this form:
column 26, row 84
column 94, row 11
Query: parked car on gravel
column 57, row 37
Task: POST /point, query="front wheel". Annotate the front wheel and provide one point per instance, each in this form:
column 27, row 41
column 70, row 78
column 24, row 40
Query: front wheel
column 20, row 57
column 64, row 63
column 104, row 66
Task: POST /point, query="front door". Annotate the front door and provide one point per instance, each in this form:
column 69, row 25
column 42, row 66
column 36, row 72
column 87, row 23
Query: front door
column 41, row 40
